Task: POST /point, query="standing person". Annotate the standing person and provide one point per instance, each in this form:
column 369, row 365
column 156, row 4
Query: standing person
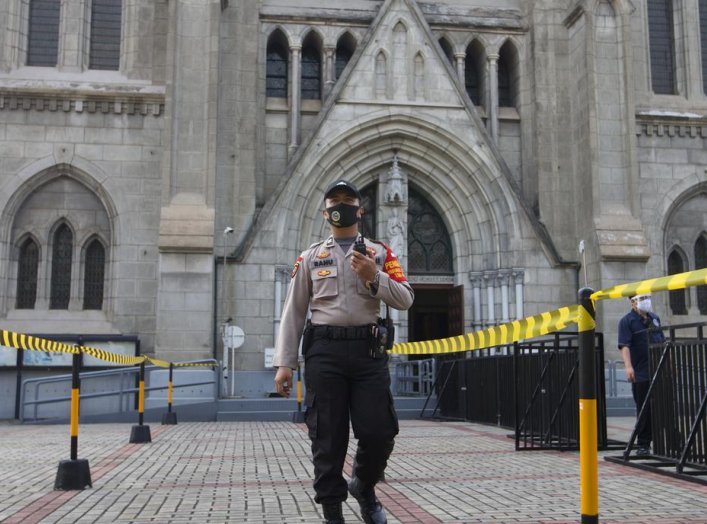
column 346, row 372
column 637, row 329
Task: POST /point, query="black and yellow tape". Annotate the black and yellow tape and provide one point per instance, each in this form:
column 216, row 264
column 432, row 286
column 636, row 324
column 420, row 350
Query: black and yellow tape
column 653, row 285
column 549, row 322
column 529, row 327
column 27, row 342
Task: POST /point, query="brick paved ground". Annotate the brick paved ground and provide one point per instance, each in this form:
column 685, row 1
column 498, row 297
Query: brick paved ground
column 259, row 472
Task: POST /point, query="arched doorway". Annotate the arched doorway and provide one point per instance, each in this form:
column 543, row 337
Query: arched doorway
column 438, row 309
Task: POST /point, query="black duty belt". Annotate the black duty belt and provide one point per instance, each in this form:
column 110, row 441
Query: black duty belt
column 342, row 332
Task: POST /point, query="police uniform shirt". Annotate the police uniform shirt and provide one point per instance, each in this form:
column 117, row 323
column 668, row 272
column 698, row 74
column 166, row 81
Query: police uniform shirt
column 322, row 279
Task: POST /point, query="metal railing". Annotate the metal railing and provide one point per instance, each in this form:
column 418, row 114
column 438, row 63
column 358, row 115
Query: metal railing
column 531, row 387
column 677, row 398
column 414, row 377
column 119, row 385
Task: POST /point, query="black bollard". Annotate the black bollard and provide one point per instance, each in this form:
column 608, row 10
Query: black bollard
column 140, row 433
column 74, row 474
column 169, row 418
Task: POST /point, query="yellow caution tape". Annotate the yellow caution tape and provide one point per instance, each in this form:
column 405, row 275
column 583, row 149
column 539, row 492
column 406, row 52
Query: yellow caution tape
column 27, row 342
column 529, row 327
column 670, row 283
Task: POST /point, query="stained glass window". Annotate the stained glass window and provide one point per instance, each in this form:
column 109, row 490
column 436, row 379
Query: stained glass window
column 369, row 196
column 105, row 34
column 429, row 245
column 676, row 265
column 94, row 271
column 701, row 263
column 28, row 264
column 311, row 73
column 61, row 268
column 276, row 67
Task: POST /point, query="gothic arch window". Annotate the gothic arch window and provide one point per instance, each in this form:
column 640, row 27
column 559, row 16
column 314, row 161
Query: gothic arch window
column 701, row 263
column 473, row 72
column 369, row 201
column 62, row 248
column 508, row 75
column 381, row 74
column 419, row 78
column 104, row 50
column 276, row 78
column 27, row 268
column 429, row 245
column 676, row 264
column 345, row 48
column 447, row 48
column 43, row 41
column 662, row 46
column 94, row 274
column 311, row 68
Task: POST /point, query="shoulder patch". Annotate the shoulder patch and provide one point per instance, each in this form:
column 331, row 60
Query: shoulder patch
column 392, row 265
column 298, row 262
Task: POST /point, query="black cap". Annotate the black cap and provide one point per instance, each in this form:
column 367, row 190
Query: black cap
column 344, row 185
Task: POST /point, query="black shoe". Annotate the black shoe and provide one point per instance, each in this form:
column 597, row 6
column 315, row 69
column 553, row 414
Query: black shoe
column 643, row 451
column 371, row 508
column 332, row 513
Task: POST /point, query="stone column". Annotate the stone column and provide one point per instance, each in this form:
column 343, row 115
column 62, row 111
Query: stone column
column 186, row 233
column 503, row 277
column 329, row 70
column 296, row 102
column 394, row 189
column 460, row 61
column 518, row 276
column 490, row 281
column 476, row 282
column 492, row 100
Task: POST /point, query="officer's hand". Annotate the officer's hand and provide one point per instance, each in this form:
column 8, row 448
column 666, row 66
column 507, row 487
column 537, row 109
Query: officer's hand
column 630, row 374
column 283, row 381
column 364, row 266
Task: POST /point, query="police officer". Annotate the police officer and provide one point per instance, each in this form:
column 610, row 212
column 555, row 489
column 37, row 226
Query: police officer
column 346, row 373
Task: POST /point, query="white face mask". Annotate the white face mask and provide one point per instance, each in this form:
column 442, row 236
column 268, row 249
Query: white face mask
column 643, row 304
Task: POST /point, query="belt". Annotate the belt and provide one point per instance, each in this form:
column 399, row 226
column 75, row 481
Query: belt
column 342, row 332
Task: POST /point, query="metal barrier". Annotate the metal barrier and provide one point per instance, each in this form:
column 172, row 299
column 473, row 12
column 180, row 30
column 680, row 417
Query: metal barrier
column 123, row 389
column 414, row 377
column 530, row 386
column 677, row 397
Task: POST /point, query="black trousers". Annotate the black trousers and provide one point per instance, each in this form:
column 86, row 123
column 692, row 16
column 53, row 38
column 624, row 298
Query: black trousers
column 344, row 383
column 643, row 426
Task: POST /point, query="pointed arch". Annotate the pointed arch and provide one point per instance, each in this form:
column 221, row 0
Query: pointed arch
column 701, row 263
column 474, row 72
column 447, row 48
column 277, row 64
column 508, row 75
column 429, row 244
column 27, row 272
column 677, row 263
column 311, row 76
column 62, row 243
column 345, row 48
column 381, row 75
column 94, row 264
column 418, row 87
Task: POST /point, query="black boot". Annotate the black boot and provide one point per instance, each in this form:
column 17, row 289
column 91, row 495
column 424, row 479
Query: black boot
column 332, row 513
column 371, row 508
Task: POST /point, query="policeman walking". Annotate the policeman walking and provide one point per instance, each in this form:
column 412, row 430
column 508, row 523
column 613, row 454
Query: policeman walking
column 342, row 281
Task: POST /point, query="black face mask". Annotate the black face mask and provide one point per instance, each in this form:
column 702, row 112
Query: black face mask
column 342, row 215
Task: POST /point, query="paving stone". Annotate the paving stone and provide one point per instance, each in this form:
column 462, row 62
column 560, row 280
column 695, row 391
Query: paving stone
column 260, row 472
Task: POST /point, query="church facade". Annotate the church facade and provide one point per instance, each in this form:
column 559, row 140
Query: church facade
column 162, row 163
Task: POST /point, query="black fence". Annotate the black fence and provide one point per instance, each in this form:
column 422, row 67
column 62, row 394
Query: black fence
column 531, row 387
column 677, row 399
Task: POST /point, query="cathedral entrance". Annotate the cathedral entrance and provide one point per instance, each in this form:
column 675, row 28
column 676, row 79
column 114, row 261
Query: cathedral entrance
column 438, row 312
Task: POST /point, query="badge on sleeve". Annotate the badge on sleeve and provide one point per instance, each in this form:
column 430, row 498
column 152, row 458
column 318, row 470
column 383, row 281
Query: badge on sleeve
column 298, row 262
column 392, row 266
